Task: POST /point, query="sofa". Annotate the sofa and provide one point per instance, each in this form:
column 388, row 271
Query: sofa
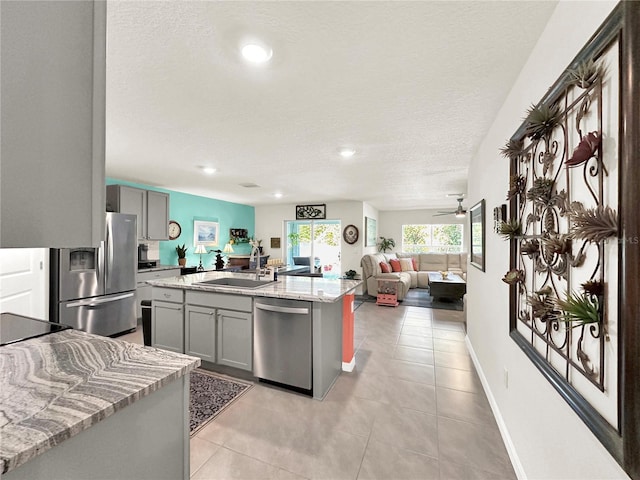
column 410, row 276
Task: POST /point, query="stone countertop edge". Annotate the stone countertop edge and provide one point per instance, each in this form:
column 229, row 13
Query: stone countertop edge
column 80, row 380
column 159, row 268
column 288, row 287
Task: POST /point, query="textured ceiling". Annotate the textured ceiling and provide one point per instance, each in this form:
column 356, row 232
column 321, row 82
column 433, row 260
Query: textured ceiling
column 412, row 86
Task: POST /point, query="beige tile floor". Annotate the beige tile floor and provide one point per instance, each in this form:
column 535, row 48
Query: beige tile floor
column 413, row 408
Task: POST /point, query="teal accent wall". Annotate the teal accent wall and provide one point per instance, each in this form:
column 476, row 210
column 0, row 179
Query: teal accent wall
column 185, row 208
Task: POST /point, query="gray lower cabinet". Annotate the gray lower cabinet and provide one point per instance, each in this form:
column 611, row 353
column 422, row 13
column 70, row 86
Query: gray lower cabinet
column 235, row 333
column 167, row 319
column 166, row 325
column 200, row 332
column 219, row 328
column 143, row 291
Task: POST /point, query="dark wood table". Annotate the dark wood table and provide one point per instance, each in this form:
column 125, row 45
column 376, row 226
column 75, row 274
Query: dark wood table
column 451, row 288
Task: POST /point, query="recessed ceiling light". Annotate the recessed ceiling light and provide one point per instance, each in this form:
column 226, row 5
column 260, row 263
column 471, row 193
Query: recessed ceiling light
column 209, row 170
column 347, row 152
column 277, row 195
column 256, row 53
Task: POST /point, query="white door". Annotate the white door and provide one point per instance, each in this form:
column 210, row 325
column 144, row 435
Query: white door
column 23, row 282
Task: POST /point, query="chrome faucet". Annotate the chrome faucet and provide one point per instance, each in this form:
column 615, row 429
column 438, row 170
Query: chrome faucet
column 256, row 251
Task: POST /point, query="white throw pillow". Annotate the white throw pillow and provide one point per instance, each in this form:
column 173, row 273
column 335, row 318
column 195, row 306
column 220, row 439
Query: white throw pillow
column 406, row 265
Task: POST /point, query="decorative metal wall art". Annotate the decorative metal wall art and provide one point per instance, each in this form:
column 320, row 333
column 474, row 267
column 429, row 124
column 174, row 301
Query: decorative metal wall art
column 559, row 227
column 573, row 194
column 311, row 212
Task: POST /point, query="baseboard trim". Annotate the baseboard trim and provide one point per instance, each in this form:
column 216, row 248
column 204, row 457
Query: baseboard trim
column 348, row 367
column 502, row 426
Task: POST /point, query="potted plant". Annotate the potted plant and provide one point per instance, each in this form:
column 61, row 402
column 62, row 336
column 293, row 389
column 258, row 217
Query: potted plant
column 350, row 274
column 386, row 244
column 182, row 254
column 294, row 239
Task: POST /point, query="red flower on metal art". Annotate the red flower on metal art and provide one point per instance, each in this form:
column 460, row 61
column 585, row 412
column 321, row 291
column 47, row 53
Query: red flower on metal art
column 585, row 150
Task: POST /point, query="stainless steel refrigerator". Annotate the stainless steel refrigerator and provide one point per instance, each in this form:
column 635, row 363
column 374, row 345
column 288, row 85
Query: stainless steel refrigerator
column 93, row 289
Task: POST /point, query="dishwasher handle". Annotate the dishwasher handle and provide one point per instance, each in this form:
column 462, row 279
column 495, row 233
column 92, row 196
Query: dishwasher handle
column 279, row 309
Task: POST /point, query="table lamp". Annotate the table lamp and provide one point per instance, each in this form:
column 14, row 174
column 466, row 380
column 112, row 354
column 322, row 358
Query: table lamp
column 200, row 249
column 227, row 249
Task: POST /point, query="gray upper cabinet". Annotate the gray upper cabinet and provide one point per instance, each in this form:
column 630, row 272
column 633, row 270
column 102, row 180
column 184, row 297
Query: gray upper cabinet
column 152, row 209
column 157, row 216
column 124, row 199
column 52, row 92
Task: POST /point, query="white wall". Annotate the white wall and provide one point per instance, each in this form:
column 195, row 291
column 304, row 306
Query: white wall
column 546, row 436
column 270, row 223
column 391, row 221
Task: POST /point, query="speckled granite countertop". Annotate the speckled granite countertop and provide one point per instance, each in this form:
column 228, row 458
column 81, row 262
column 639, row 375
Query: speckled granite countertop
column 55, row 386
column 313, row 289
column 159, row 268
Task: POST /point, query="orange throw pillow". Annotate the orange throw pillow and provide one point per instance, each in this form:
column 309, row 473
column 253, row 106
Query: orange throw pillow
column 395, row 265
column 415, row 264
column 385, row 267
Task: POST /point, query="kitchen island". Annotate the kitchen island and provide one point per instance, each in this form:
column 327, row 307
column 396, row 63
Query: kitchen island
column 79, row 406
column 225, row 326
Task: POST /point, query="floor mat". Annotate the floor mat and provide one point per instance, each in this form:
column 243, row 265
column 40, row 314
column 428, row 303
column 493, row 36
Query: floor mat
column 417, row 297
column 210, row 393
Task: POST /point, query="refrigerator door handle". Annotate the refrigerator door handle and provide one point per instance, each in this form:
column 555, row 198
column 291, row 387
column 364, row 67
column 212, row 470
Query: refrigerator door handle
column 99, row 266
column 94, row 302
column 108, row 261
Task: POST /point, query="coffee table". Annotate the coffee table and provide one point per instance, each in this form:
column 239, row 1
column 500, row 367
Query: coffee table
column 451, row 288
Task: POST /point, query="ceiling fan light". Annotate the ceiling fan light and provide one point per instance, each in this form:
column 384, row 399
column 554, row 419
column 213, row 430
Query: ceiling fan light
column 347, row 152
column 256, row 53
column 460, row 215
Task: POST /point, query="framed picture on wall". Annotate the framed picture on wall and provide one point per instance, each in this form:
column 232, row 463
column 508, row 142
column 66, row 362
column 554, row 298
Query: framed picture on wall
column 205, row 233
column 476, row 250
column 371, row 229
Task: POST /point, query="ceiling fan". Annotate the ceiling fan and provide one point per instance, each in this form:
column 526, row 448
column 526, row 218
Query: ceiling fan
column 458, row 212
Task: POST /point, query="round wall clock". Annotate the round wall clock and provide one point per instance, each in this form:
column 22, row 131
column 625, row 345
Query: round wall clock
column 174, row 230
column 350, row 234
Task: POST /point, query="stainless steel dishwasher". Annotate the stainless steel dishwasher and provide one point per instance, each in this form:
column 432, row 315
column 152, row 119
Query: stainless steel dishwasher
column 282, row 342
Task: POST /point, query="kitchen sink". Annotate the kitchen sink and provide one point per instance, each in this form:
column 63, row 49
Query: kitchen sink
column 236, row 282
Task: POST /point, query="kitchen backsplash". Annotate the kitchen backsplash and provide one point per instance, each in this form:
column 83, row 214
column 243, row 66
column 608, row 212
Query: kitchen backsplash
column 154, row 250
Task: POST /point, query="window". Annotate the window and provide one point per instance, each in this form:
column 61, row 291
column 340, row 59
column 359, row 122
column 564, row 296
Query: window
column 432, row 238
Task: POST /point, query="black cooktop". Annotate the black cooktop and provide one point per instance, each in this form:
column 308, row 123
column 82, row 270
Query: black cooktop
column 16, row 328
